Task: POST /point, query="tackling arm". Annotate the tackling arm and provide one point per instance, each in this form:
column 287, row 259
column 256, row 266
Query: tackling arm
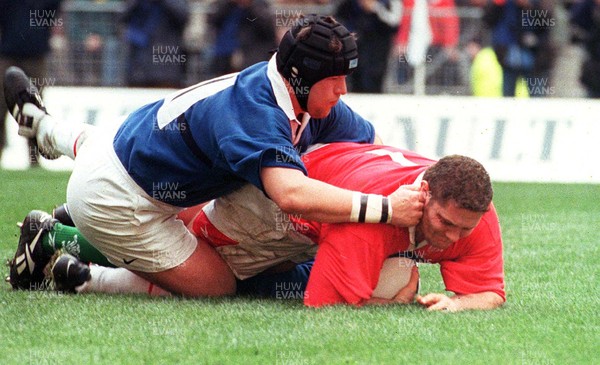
column 295, row 193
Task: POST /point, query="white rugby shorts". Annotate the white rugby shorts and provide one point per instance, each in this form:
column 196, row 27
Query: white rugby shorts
column 121, row 220
column 260, row 235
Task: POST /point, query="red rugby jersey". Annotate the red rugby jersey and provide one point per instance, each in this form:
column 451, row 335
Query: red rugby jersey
column 350, row 256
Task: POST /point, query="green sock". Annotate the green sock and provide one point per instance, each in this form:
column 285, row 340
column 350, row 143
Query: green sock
column 70, row 240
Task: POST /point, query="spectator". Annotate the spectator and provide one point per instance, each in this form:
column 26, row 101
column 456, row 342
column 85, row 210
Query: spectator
column 33, row 21
column 585, row 16
column 93, row 43
column 154, row 34
column 375, row 22
column 486, row 72
column 445, row 31
column 521, row 40
column 245, row 33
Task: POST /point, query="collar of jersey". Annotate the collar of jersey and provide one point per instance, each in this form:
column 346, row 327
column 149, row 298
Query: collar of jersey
column 411, row 230
column 280, row 90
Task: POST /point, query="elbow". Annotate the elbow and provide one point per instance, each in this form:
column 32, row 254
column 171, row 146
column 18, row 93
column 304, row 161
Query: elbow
column 291, row 202
column 499, row 301
column 290, row 189
column 292, row 198
column 495, row 300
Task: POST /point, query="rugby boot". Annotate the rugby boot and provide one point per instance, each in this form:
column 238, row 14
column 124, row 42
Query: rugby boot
column 27, row 266
column 25, row 104
column 62, row 214
column 68, row 273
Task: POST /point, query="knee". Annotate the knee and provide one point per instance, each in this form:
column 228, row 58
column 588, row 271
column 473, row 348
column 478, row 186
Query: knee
column 195, row 280
column 222, row 286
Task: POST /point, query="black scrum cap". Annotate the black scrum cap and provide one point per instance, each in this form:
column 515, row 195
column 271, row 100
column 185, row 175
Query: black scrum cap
column 307, row 61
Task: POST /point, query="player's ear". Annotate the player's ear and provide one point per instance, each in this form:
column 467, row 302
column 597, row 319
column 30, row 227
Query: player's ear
column 424, row 188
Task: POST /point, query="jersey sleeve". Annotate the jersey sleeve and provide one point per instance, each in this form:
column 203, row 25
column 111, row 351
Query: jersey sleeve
column 347, row 264
column 481, row 267
column 342, row 125
column 246, row 156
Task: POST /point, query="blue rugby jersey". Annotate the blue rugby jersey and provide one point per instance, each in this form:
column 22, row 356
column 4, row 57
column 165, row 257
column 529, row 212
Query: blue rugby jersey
column 209, row 139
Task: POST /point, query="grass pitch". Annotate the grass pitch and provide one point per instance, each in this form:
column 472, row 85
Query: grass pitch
column 551, row 238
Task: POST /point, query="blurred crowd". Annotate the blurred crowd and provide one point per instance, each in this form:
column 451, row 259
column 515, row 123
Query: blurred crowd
column 492, row 48
column 522, row 48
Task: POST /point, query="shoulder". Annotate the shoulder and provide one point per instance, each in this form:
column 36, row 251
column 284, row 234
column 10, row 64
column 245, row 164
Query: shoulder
column 253, row 90
column 490, row 224
column 486, row 238
column 352, row 234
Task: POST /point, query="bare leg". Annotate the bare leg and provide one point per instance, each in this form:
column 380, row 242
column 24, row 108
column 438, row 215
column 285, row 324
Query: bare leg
column 203, row 274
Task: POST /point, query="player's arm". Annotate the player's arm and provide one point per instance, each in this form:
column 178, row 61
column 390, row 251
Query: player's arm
column 296, row 193
column 478, row 301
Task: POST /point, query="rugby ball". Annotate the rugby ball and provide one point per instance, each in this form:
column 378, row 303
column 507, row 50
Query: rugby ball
column 395, row 274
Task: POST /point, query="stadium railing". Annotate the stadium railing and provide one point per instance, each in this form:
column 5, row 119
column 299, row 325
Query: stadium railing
column 78, row 59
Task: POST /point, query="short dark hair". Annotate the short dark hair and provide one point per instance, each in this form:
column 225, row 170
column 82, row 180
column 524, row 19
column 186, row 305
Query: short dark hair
column 461, row 179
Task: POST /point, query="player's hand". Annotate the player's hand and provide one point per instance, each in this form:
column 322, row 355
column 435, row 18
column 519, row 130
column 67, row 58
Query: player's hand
column 407, row 205
column 438, row 302
column 407, row 294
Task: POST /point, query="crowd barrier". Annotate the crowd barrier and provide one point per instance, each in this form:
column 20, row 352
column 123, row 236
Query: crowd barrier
column 526, row 140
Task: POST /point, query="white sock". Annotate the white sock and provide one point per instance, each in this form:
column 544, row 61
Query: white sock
column 118, row 281
column 62, row 137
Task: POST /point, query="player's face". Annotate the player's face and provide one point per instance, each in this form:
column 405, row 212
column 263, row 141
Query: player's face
column 444, row 224
column 324, row 95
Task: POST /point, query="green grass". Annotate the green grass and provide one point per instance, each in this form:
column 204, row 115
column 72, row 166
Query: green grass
column 551, row 237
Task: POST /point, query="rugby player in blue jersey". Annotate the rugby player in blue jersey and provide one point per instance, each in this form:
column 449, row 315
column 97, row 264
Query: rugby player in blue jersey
column 128, row 185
